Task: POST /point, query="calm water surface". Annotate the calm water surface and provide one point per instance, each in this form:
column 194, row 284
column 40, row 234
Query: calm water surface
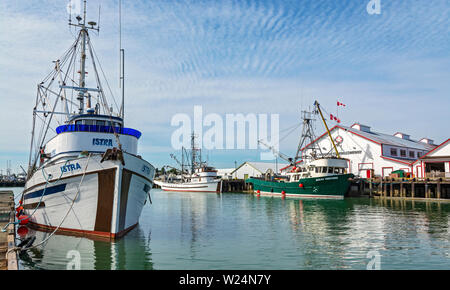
column 241, row 231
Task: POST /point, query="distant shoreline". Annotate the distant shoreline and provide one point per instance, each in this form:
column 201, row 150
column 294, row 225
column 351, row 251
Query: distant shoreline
column 12, row 184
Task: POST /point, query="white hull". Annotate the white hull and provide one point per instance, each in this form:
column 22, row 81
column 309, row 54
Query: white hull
column 210, row 186
column 110, row 199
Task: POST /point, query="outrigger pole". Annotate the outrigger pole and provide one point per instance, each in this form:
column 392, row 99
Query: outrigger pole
column 328, row 130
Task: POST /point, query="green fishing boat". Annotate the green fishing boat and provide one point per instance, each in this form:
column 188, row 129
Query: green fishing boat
column 311, row 177
column 322, row 178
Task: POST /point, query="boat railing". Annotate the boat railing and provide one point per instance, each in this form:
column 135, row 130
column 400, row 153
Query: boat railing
column 98, row 129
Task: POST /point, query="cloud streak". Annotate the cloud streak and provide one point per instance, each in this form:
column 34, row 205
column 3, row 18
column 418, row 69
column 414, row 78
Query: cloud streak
column 243, row 56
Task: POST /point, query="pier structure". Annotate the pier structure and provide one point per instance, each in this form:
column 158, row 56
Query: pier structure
column 236, row 185
column 8, row 259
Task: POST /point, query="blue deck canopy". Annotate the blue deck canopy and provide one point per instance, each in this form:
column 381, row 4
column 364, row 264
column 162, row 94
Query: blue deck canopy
column 98, row 129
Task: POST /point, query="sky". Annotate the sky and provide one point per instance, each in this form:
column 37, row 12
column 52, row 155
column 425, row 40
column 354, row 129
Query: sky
column 251, row 57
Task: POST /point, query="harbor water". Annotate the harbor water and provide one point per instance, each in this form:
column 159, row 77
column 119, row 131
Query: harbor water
column 241, row 231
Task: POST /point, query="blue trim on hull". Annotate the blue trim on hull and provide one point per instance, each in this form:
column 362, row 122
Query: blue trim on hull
column 48, row 191
column 98, row 129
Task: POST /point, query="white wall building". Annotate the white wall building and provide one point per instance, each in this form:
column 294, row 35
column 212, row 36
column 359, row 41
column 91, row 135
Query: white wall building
column 225, row 173
column 372, row 153
column 435, row 163
column 256, row 169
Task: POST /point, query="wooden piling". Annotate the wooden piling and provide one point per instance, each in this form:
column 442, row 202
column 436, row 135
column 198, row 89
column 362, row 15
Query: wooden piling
column 8, row 259
column 391, row 189
column 401, row 188
column 438, row 189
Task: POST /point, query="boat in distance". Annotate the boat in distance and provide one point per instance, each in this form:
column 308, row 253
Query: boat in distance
column 196, row 176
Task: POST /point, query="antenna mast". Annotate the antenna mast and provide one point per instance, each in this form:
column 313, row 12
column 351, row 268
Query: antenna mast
column 122, row 63
column 308, row 135
column 83, row 36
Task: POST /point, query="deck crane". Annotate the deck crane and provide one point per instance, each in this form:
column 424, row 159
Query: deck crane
column 276, row 152
column 177, row 161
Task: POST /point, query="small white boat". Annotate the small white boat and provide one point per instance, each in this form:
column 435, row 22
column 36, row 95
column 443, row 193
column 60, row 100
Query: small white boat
column 194, row 177
column 87, row 179
column 204, row 179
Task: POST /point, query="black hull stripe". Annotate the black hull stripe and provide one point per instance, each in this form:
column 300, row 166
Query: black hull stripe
column 48, row 191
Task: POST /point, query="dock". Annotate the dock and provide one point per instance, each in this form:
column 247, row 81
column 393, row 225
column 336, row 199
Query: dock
column 8, row 260
column 437, row 189
column 236, row 185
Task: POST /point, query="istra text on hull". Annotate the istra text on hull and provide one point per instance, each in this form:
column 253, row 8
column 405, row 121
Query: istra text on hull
column 322, row 178
column 88, row 179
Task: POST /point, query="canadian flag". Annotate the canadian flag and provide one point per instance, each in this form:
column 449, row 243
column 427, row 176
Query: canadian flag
column 340, row 104
column 334, row 118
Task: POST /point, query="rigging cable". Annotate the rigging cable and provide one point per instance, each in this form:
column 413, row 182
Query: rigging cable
column 65, row 216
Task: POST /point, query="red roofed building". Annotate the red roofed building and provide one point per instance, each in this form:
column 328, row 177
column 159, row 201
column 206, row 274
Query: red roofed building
column 372, row 153
column 435, row 163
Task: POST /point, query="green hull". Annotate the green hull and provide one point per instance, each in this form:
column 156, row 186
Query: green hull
column 317, row 187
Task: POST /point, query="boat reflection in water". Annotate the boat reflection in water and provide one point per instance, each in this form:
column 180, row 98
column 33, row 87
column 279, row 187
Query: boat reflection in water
column 61, row 252
column 195, row 231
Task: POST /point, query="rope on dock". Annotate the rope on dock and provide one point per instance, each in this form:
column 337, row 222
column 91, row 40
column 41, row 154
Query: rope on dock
column 47, row 182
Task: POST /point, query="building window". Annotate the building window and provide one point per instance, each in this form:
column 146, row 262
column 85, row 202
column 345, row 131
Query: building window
column 419, row 154
column 403, row 153
column 412, row 154
column 393, row 152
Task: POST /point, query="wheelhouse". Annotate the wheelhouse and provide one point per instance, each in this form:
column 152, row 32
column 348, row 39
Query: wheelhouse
column 319, row 168
column 97, row 124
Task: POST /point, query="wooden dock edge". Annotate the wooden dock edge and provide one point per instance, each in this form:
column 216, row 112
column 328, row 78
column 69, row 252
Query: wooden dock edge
column 12, row 255
column 420, row 199
column 7, row 201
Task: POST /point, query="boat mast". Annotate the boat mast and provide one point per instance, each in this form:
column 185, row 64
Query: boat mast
column 308, row 135
column 194, row 153
column 82, row 91
column 83, row 32
column 122, row 64
column 316, row 104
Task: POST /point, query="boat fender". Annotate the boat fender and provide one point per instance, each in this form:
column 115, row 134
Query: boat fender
column 22, row 231
column 301, row 185
column 24, row 219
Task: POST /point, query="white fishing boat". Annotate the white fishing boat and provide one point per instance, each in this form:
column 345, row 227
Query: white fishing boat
column 87, row 178
column 196, row 176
